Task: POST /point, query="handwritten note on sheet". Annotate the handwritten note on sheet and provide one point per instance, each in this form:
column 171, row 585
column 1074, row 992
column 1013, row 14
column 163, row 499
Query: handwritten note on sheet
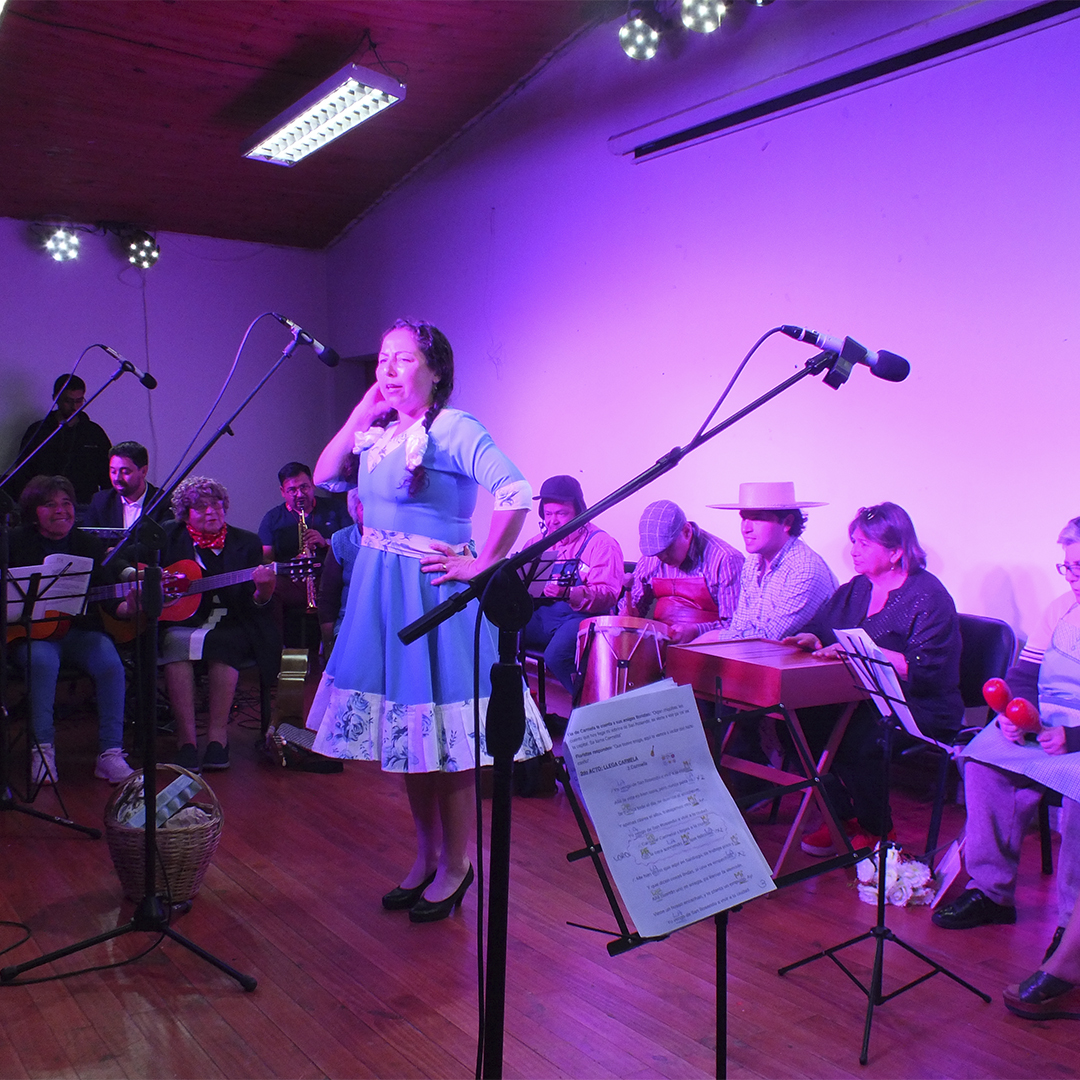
column 674, row 840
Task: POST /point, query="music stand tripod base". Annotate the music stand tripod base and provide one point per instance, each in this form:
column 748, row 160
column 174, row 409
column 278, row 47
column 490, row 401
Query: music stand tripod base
column 879, row 933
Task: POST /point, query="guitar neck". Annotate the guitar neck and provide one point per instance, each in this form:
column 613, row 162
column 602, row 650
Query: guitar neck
column 200, row 585
column 221, row 581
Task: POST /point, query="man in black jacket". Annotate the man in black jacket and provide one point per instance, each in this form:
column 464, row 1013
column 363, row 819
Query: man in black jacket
column 129, row 494
column 79, row 451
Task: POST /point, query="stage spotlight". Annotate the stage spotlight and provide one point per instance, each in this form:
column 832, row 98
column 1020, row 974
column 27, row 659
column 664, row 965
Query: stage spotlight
column 62, row 244
column 702, row 16
column 762, row 3
column 639, row 39
column 142, row 249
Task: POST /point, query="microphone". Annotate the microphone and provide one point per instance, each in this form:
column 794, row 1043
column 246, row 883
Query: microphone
column 144, row 377
column 323, row 352
column 885, row 365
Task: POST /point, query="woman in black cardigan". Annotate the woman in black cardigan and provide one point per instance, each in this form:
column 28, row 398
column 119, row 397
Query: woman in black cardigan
column 912, row 619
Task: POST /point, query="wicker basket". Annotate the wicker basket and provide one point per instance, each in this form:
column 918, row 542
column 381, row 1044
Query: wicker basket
column 184, row 853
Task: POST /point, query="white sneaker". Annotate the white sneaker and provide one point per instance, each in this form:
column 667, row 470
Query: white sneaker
column 112, row 765
column 43, row 764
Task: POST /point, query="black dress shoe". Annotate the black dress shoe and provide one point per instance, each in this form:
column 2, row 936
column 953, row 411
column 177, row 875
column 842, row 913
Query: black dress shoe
column 399, row 899
column 1044, row 997
column 973, row 908
column 428, row 911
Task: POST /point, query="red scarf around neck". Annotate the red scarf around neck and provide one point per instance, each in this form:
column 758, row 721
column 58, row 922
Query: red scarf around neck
column 208, row 540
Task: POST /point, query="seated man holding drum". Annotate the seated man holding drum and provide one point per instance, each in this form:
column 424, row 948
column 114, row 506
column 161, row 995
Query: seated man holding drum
column 686, row 578
column 587, row 578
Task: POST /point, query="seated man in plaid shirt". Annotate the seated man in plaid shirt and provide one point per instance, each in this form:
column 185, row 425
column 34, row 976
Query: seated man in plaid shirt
column 784, row 581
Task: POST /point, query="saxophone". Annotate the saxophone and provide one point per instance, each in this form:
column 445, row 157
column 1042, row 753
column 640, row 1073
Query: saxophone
column 305, row 553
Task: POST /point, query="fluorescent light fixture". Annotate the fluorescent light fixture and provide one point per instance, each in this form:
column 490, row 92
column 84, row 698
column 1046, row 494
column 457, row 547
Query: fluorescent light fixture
column 348, row 98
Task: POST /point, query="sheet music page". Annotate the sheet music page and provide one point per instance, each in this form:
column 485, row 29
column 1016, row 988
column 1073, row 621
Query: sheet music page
column 64, row 581
column 877, row 677
column 676, row 845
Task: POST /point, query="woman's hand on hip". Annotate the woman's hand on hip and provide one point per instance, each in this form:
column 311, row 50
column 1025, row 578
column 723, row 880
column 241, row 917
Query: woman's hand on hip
column 449, row 564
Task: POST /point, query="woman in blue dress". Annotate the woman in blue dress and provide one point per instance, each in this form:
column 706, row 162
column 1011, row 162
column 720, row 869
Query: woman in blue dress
column 419, row 465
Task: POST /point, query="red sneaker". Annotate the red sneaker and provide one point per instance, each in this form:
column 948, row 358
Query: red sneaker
column 820, row 843
column 861, row 839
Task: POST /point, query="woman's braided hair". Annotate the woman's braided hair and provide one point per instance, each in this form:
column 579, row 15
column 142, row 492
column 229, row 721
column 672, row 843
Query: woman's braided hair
column 440, row 359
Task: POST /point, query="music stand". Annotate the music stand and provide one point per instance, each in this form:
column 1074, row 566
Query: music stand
column 28, row 592
column 873, row 672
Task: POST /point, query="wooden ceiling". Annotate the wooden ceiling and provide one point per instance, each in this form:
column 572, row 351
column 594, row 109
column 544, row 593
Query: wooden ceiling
column 136, row 111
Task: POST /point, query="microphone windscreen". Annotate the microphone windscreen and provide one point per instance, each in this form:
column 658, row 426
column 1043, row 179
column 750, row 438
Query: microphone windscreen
column 891, row 367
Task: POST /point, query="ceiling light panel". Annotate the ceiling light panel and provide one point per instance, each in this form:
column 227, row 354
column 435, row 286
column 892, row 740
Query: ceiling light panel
column 350, row 97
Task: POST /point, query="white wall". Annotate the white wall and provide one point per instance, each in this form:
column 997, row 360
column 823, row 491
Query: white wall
column 597, row 307
column 183, row 320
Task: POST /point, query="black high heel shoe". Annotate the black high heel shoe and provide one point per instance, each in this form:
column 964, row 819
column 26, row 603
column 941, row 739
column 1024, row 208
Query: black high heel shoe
column 399, row 899
column 427, row 911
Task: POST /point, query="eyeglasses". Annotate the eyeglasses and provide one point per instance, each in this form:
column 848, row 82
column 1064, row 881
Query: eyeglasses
column 1069, row 569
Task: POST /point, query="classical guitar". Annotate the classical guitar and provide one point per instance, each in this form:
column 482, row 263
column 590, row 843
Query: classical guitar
column 181, row 599
column 183, row 589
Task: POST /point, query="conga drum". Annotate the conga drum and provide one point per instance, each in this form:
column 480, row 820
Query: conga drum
column 616, row 653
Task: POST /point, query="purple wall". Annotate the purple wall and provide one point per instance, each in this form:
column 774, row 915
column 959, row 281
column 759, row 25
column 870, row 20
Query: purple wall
column 598, row 307
column 183, row 320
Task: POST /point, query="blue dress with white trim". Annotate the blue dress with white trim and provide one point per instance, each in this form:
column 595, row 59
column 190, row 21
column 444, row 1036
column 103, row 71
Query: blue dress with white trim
column 410, row 707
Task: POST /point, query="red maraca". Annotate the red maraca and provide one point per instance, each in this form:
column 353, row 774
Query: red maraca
column 996, row 694
column 1023, row 714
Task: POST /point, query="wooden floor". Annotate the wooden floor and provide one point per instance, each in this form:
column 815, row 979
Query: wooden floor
column 346, row 989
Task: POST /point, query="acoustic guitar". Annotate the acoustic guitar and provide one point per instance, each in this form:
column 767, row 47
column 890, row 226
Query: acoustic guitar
column 181, row 600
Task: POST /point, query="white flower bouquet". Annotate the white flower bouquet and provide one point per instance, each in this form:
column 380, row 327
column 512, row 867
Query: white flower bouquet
column 908, row 882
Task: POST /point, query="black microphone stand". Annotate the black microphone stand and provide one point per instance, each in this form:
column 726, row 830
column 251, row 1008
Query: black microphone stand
column 152, row 914
column 865, row 671
column 503, row 710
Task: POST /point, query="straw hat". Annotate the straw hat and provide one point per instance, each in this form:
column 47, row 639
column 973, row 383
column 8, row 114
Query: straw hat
column 772, row 496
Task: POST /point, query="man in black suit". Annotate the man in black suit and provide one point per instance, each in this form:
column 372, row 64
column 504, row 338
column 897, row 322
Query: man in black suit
column 130, row 494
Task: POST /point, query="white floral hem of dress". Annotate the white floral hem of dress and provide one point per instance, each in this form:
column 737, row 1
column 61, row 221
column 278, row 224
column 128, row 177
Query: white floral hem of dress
column 411, row 738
